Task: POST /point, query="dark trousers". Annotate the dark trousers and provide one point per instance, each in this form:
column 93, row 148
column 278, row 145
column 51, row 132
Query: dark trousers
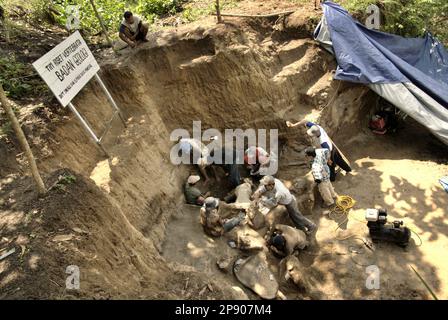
column 140, row 34
column 299, row 220
column 230, row 224
column 234, row 174
column 337, row 160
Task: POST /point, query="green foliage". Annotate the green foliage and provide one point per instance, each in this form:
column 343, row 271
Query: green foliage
column 193, row 13
column 111, row 11
column 64, row 180
column 19, row 80
column 409, row 18
column 158, row 7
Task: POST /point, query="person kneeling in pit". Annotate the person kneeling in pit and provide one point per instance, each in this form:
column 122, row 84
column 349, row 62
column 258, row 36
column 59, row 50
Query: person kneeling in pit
column 258, row 160
column 132, row 29
column 321, row 174
column 192, row 194
column 276, row 193
column 212, row 221
column 284, row 240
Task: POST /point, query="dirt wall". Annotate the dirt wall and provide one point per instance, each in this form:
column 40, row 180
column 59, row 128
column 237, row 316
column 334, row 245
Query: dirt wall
column 236, row 75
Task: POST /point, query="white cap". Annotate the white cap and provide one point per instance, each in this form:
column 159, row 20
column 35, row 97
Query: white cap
column 312, row 130
column 267, row 180
column 211, row 203
column 193, row 179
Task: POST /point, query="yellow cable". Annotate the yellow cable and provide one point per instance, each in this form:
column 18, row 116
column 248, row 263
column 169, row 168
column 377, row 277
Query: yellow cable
column 342, row 209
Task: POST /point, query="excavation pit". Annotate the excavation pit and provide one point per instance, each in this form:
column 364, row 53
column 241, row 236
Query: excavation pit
column 142, row 241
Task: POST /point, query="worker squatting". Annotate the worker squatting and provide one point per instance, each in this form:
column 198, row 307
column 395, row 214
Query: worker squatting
column 215, row 152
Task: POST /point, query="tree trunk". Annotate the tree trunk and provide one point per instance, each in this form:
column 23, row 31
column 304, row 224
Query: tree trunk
column 23, row 142
column 101, row 23
column 4, row 23
column 218, row 12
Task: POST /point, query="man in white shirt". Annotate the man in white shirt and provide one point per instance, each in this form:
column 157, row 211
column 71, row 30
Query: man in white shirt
column 279, row 194
column 132, row 29
column 259, row 161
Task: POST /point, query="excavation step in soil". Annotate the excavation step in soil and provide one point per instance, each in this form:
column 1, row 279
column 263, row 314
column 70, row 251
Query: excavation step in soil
column 216, row 150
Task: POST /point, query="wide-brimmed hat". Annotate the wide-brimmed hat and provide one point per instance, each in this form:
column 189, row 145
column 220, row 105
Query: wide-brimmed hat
column 211, row 203
column 193, row 179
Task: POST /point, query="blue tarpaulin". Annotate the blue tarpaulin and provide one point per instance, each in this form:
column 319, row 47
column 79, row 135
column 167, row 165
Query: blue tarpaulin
column 410, row 73
column 373, row 57
column 444, row 182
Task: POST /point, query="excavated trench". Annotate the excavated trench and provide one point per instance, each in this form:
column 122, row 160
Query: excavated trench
column 227, row 77
column 143, row 241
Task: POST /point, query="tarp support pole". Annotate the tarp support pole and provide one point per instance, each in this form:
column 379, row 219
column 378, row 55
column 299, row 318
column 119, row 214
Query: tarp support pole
column 110, row 98
column 87, row 127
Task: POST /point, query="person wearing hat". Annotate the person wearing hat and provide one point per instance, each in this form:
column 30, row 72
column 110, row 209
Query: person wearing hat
column 276, row 193
column 320, row 139
column 321, row 174
column 212, row 221
column 192, row 194
column 284, row 240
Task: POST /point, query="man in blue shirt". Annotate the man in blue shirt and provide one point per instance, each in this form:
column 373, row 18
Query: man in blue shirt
column 321, row 139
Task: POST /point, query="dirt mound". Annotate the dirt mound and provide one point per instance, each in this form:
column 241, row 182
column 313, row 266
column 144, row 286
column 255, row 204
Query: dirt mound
column 76, row 224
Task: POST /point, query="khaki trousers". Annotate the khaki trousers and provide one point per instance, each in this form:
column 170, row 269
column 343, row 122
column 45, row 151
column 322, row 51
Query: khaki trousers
column 327, row 192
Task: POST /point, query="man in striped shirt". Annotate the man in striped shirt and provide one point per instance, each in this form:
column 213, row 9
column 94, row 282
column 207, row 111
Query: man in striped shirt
column 321, row 174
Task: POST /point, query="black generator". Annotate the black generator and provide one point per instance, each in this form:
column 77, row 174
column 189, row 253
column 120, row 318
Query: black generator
column 381, row 230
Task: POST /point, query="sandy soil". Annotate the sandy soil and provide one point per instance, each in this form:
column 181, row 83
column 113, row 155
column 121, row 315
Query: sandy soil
column 128, row 212
column 404, row 182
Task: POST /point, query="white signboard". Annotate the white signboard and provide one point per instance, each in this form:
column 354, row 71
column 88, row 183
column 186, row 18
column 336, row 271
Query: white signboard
column 67, row 68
